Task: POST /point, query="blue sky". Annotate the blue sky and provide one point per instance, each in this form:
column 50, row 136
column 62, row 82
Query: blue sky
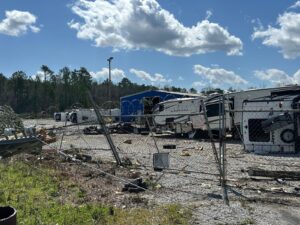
column 193, row 43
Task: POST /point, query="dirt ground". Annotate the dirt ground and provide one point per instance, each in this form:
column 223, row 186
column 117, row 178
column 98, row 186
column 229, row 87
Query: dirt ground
column 191, row 180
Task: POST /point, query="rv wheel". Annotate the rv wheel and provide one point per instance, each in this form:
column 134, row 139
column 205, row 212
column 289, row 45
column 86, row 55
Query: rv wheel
column 287, row 136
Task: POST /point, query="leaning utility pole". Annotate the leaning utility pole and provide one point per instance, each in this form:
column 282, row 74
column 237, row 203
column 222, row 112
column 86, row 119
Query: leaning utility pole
column 105, row 130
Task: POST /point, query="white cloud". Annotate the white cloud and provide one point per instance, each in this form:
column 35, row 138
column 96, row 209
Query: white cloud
column 180, row 78
column 143, row 24
column 17, row 23
column 277, row 77
column 217, row 76
column 208, row 14
column 295, row 5
column 285, row 37
column 39, row 74
column 198, row 84
column 155, row 78
column 116, row 74
column 257, row 24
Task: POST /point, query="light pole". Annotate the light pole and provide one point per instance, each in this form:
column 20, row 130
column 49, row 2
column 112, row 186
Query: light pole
column 109, row 82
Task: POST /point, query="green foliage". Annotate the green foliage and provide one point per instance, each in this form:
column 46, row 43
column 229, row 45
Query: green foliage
column 39, row 195
column 210, row 90
column 50, row 92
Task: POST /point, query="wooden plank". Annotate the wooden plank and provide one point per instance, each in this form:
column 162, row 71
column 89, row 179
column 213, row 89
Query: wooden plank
column 258, row 172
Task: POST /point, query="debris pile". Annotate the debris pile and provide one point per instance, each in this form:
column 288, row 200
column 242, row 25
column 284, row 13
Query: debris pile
column 8, row 119
column 14, row 138
column 45, row 136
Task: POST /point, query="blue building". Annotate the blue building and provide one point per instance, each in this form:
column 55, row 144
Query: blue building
column 143, row 102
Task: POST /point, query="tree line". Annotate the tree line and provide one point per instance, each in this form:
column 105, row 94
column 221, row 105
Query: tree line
column 53, row 92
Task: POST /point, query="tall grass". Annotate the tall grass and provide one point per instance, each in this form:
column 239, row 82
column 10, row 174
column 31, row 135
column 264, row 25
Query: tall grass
column 39, row 195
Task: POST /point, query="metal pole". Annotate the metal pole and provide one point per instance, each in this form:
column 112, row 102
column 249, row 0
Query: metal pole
column 210, row 134
column 109, row 83
column 105, row 130
column 223, row 152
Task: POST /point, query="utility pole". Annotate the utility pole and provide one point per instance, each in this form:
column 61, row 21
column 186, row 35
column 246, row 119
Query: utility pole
column 109, row 82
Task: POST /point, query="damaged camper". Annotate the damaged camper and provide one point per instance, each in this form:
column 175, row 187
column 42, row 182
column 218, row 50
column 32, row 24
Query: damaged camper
column 272, row 124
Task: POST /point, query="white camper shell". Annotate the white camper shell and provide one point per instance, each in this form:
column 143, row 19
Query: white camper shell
column 271, row 124
column 89, row 115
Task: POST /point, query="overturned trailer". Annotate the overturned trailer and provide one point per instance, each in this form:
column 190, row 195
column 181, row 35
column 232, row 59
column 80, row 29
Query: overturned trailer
column 86, row 115
column 272, row 124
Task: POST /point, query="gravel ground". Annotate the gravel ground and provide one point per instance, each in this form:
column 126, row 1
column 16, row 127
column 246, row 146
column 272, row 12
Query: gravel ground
column 192, row 180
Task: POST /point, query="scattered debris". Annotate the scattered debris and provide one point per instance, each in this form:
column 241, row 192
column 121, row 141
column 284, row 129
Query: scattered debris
column 200, row 148
column 83, row 157
column 157, row 186
column 169, row 146
column 185, row 152
column 47, row 136
column 126, row 161
column 280, row 181
column 134, row 174
column 129, row 141
column 135, row 186
column 206, row 185
column 92, row 130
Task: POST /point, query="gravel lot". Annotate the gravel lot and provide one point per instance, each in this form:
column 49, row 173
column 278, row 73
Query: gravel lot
column 192, row 180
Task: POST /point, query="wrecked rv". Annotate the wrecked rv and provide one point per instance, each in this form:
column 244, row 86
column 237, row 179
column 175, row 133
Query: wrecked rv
column 271, row 124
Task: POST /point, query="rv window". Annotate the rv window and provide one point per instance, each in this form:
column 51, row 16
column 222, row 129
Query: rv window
column 256, row 133
column 161, row 108
column 169, row 120
column 213, row 110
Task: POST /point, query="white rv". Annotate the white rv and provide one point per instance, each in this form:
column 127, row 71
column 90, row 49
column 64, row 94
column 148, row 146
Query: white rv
column 175, row 110
column 270, row 125
column 61, row 116
column 82, row 115
column 233, row 107
column 89, row 115
column 176, row 114
column 180, row 114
